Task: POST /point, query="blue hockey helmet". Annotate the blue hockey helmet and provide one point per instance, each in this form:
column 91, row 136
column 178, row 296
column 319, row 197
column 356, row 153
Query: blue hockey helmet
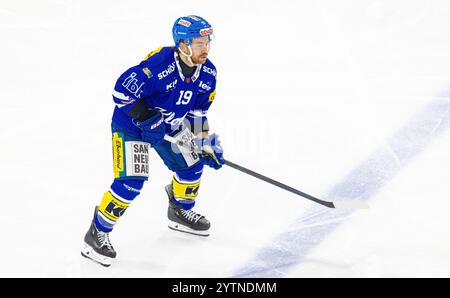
column 189, row 27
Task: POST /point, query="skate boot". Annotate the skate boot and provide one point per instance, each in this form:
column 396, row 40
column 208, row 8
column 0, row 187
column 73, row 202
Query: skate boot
column 185, row 220
column 97, row 246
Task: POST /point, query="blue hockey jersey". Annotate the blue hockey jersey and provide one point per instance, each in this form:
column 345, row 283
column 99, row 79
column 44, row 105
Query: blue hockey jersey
column 159, row 81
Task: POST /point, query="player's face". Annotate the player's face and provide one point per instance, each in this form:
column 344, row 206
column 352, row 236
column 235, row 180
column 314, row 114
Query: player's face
column 200, row 49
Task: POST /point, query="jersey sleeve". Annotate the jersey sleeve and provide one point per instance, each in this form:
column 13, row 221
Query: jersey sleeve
column 197, row 117
column 132, row 85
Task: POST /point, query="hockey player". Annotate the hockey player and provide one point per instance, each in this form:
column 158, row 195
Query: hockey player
column 168, row 93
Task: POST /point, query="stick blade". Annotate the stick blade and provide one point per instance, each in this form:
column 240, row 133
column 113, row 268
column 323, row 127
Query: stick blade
column 350, row 205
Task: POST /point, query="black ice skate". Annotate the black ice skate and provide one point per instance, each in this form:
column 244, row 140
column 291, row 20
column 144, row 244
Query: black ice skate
column 97, row 246
column 185, row 220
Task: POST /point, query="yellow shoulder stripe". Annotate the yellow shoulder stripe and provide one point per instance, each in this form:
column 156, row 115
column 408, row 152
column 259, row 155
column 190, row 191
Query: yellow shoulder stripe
column 153, row 53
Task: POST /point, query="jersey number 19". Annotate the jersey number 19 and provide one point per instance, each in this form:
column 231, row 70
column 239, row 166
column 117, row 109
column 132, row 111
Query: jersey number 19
column 185, row 97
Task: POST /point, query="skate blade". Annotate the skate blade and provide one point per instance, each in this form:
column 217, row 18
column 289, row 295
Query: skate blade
column 181, row 228
column 90, row 253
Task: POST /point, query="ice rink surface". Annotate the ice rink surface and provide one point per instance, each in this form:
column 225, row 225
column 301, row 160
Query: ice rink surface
column 340, row 99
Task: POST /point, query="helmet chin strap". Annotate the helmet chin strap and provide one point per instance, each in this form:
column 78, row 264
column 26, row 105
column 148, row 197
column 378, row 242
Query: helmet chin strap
column 188, row 57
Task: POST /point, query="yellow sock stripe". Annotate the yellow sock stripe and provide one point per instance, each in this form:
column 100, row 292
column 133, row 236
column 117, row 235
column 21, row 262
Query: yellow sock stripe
column 111, row 207
column 185, row 190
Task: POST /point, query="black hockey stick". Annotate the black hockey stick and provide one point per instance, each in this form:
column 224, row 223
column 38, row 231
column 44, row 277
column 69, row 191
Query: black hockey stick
column 337, row 204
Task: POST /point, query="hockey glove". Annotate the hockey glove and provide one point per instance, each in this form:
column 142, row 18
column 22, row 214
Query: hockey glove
column 212, row 151
column 153, row 129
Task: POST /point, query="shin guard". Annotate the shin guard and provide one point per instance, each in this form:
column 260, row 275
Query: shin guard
column 185, row 192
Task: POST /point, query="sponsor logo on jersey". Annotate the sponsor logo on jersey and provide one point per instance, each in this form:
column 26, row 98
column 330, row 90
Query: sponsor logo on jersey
column 210, row 71
column 169, row 117
column 167, row 71
column 184, row 23
column 147, row 72
column 204, row 86
column 207, row 31
column 171, row 86
column 132, row 85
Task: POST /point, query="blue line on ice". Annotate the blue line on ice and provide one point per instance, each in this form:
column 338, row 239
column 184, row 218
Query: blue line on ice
column 290, row 247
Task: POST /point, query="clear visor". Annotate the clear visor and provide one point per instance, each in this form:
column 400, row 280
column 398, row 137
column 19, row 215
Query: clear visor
column 202, row 42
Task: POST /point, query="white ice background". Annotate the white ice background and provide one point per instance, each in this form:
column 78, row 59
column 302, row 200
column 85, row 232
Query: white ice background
column 341, row 99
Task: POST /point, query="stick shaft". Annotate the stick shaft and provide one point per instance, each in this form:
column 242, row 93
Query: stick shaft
column 262, row 177
column 279, row 184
